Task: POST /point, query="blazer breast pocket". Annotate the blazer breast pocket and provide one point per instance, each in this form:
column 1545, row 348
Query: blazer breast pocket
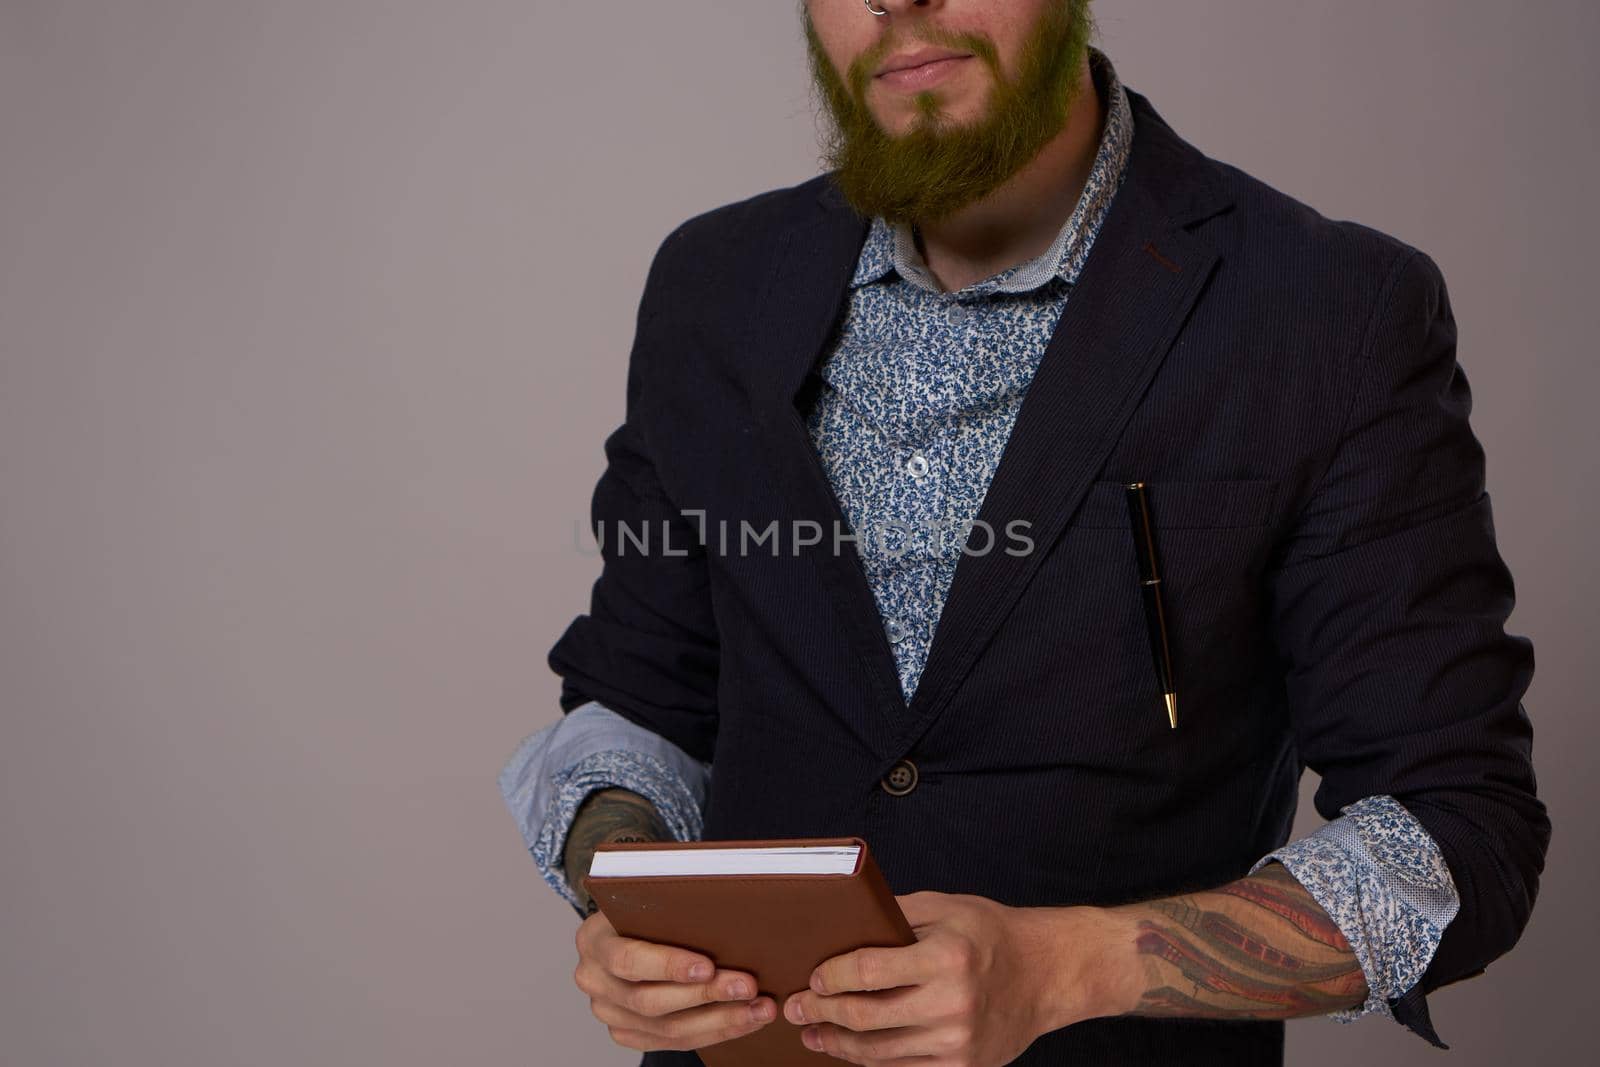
column 1194, row 505
column 1213, row 539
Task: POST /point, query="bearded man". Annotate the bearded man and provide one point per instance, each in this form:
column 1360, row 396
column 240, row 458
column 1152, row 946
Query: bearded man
column 932, row 379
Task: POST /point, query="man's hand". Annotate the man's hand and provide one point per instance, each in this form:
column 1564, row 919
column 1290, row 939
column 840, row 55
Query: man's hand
column 647, row 994
column 650, row 997
column 981, row 983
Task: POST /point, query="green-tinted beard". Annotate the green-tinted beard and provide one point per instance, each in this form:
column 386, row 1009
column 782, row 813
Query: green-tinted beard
column 935, row 169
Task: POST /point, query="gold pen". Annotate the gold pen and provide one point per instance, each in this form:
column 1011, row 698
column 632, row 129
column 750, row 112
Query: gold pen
column 1144, row 544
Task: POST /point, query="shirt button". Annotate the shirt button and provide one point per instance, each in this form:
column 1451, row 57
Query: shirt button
column 901, row 779
column 896, row 630
column 917, row 465
column 958, row 313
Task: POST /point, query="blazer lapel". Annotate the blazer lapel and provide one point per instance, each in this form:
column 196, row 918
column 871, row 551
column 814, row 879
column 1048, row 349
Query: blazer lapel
column 1144, row 274
column 802, row 304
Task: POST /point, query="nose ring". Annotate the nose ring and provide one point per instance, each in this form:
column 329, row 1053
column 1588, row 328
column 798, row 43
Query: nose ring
column 874, row 10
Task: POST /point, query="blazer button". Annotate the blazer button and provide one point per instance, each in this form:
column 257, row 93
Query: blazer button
column 901, row 779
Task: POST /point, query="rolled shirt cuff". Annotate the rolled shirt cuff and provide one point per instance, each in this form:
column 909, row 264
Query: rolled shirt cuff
column 1382, row 879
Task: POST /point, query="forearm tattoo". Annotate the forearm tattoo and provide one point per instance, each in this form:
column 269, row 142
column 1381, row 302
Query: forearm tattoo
column 1257, row 948
column 607, row 815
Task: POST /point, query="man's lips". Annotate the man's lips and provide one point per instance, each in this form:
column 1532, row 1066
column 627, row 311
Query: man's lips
column 920, row 71
column 911, row 60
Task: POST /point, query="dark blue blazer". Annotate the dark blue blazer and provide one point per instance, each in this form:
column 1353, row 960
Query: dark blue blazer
column 1288, row 387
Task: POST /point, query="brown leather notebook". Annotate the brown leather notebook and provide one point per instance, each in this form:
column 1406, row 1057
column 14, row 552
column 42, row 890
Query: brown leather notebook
column 776, row 926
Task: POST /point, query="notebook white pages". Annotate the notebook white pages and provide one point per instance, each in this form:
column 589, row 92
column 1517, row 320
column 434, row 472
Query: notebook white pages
column 819, row 859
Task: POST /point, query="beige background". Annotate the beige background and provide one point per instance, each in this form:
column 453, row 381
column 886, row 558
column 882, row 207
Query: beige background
column 313, row 316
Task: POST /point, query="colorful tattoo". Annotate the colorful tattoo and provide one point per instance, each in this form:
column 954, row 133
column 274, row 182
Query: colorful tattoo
column 1257, row 948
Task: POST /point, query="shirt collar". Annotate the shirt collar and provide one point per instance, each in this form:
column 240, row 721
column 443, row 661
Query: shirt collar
column 893, row 248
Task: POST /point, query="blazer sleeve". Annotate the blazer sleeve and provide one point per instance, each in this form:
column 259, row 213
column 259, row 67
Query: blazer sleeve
column 648, row 647
column 1388, row 600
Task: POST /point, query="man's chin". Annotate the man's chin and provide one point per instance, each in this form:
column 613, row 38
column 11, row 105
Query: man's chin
column 904, row 204
column 944, row 117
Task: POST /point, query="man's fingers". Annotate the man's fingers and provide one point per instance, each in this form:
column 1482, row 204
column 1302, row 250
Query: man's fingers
column 697, row 1027
column 663, row 998
column 636, row 960
column 650, row 998
column 885, row 1009
column 871, row 968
